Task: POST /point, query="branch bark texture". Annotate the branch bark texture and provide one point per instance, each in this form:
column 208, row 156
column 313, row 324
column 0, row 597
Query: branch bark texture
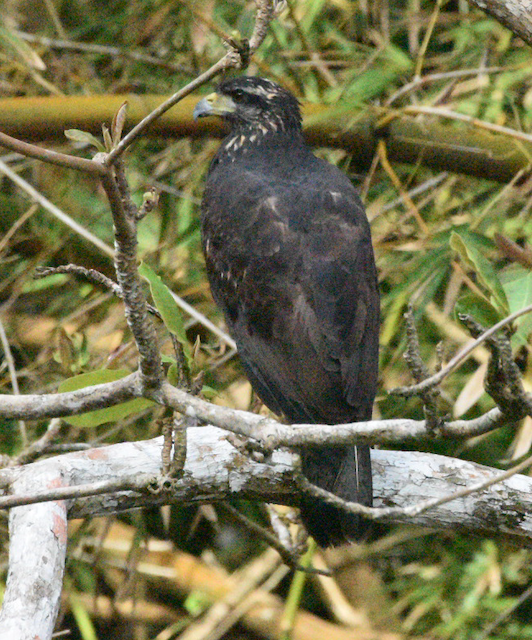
column 515, row 15
column 217, row 468
column 37, row 554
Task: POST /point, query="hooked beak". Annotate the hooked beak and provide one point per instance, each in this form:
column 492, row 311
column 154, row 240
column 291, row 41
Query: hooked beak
column 214, row 104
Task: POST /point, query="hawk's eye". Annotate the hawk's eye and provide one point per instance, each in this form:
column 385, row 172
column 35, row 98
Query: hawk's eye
column 237, row 95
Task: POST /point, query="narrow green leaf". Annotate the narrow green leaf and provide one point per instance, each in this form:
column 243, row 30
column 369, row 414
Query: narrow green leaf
column 83, row 619
column 478, row 308
column 517, row 283
column 118, row 123
column 20, row 49
column 76, row 135
column 109, row 414
column 167, row 307
column 473, row 258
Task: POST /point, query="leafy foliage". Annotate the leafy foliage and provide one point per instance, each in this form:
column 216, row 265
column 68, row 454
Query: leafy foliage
column 330, row 51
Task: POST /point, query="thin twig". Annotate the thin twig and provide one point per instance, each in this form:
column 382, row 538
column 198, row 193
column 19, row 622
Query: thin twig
column 420, row 372
column 481, row 124
column 421, row 81
column 116, row 52
column 92, row 275
column 139, row 484
column 377, row 513
column 14, row 381
column 51, row 157
column 4, row 242
column 287, row 555
column 409, row 203
column 225, row 63
column 55, row 211
column 487, row 632
column 41, row 445
column 459, row 357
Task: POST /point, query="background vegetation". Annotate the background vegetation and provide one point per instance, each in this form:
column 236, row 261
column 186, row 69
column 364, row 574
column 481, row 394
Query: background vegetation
column 443, row 241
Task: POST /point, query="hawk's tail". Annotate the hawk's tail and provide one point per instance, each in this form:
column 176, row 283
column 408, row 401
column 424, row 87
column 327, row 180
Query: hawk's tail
column 346, row 472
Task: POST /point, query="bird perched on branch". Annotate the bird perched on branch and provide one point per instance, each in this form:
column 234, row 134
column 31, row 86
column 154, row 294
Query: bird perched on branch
column 290, row 263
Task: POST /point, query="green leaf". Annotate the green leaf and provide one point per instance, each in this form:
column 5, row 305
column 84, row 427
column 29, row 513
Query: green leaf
column 109, row 414
column 167, row 307
column 118, row 123
column 517, row 283
column 76, row 135
column 196, row 602
column 83, row 619
column 478, row 308
column 473, row 258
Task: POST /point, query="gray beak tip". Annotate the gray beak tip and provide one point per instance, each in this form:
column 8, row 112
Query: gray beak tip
column 202, row 109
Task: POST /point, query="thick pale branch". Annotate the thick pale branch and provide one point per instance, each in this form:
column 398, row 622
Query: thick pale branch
column 37, row 552
column 57, row 405
column 513, row 14
column 217, row 468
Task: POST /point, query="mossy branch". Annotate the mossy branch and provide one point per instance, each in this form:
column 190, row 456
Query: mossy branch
column 429, row 140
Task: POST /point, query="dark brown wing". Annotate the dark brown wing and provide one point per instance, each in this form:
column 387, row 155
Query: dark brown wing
column 292, row 267
column 291, row 264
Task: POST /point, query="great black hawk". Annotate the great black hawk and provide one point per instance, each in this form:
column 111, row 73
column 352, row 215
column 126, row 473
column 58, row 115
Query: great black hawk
column 290, row 263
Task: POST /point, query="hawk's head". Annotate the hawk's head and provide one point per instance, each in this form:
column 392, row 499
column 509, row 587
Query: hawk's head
column 251, row 102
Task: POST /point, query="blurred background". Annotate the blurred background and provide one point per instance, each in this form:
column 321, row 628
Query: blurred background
column 446, row 238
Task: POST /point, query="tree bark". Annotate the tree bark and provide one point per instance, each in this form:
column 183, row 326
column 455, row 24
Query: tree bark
column 515, row 15
column 216, row 468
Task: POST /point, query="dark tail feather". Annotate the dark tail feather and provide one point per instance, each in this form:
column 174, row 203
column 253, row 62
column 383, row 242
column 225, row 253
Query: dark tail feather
column 346, row 472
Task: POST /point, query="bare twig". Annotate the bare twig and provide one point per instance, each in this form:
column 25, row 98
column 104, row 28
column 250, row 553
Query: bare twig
column 88, row 274
column 459, row 357
column 51, row 157
column 287, row 556
column 55, row 211
column 98, row 49
column 488, row 631
column 419, row 371
column 40, row 445
column 99, row 278
column 129, row 281
column 481, row 124
column 14, row 381
column 139, row 484
column 421, row 81
column 409, row 203
column 503, row 379
column 377, row 513
column 271, row 434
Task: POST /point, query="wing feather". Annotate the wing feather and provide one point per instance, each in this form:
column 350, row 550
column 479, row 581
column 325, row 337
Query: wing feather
column 300, row 286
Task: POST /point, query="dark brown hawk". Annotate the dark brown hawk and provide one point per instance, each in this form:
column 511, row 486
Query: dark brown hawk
column 290, row 262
